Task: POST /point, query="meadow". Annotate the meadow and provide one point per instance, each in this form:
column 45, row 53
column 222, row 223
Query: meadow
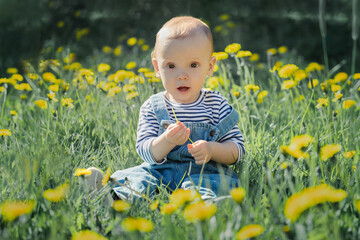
column 59, row 116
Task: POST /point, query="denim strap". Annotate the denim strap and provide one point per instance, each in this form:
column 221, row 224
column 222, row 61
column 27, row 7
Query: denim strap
column 228, row 122
column 159, row 105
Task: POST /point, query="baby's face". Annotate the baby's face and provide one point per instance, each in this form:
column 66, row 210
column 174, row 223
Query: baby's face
column 183, row 65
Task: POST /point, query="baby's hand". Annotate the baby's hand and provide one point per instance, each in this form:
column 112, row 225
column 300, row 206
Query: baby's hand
column 177, row 133
column 201, row 151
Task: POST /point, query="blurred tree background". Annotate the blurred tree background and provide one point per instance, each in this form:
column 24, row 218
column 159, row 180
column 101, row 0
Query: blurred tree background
column 31, row 27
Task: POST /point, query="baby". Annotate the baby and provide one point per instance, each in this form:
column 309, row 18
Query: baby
column 186, row 135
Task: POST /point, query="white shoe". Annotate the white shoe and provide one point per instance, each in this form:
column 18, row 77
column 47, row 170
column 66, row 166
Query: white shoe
column 93, row 180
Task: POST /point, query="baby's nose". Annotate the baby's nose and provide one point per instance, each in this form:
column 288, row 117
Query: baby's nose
column 183, row 75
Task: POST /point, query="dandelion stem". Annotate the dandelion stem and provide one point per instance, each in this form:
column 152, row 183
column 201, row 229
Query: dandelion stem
column 178, row 121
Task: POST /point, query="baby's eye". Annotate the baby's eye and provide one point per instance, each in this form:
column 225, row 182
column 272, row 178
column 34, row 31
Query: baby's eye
column 171, row 65
column 194, row 65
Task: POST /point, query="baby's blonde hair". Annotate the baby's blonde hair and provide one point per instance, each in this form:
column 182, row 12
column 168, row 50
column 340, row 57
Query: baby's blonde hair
column 182, row 27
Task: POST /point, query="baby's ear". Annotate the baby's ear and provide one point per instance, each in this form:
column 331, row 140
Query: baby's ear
column 211, row 66
column 156, row 66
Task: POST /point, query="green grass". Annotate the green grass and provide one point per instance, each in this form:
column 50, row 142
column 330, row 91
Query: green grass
column 44, row 151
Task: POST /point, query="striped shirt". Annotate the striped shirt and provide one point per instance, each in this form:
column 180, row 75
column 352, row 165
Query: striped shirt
column 211, row 107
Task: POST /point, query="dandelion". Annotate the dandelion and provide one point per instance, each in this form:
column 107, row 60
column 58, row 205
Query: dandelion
column 284, row 165
column 301, row 140
column 57, row 194
column 356, row 76
column 349, row 154
column 348, row 104
column 144, row 70
column 282, row 49
column 286, row 228
column 23, row 86
column 338, row 96
column 199, row 211
column 252, row 87
column 294, row 151
column 107, row 49
column 67, row 102
column 121, row 206
column 271, row 51
column 309, row 197
column 117, row 51
column 261, row 96
column 354, row 168
column 130, row 65
column 322, row 102
column 238, row 194
column 103, row 67
column 313, row 66
column 51, row 97
column 17, row 77
column 328, row 151
column 220, row 55
column 254, row 57
column 131, row 41
column 224, row 17
column 288, row 84
column 181, row 196
column 5, row 132
column 41, row 104
column 80, row 33
column 212, row 82
column 137, row 224
column 154, row 205
column 129, row 87
column 168, row 209
column 113, row 91
column 106, row 177
column 357, row 205
column 145, row 47
column 233, row 48
column 12, row 70
column 131, row 95
column 249, row 231
column 82, row 172
column 13, row 113
column 23, row 96
column 54, row 88
column 11, row 210
column 335, row 87
column 2, row 89
column 242, row 54
column 288, row 70
column 300, row 75
column 87, row 235
column 315, row 82
column 340, row 77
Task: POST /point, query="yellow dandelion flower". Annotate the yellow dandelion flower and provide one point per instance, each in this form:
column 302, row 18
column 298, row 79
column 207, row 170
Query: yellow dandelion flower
column 315, row 82
column 103, row 67
column 254, row 57
column 294, row 151
column 356, row 76
column 140, row 42
column 107, row 49
column 12, row 70
column 23, row 86
column 131, row 95
column 117, row 51
column 121, row 206
column 11, row 210
column 23, row 96
column 67, row 102
column 349, row 154
column 338, row 96
column 238, row 194
column 154, row 205
column 2, row 89
column 199, row 211
column 144, row 70
column 309, row 197
column 322, row 102
column 335, row 87
column 168, row 209
column 313, row 66
column 54, row 88
column 288, row 70
column 131, row 41
column 145, row 47
column 57, row 194
column 249, row 231
column 300, row 75
column 354, row 168
column 218, row 28
column 284, row 165
column 233, row 48
column 301, row 140
column 5, row 132
column 49, row 77
column 224, row 17
column 328, row 151
column 33, row 76
column 341, row 76
column 242, row 54
column 13, row 113
column 106, row 177
column 137, row 224
column 51, row 96
column 41, row 104
column 271, row 51
column 252, row 87
column 87, row 235
column 130, row 65
column 17, row 77
column 212, row 82
column 261, row 96
column 129, row 87
column 348, row 104
column 181, row 196
column 220, row 55
column 60, row 49
column 288, row 84
column 282, row 49
column 286, row 228
column 82, row 172
column 357, row 205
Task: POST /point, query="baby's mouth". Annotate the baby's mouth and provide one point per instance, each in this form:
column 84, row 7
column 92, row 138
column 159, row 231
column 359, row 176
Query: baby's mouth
column 183, row 89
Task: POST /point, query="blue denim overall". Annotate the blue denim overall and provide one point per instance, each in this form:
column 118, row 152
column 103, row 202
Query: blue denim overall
column 179, row 170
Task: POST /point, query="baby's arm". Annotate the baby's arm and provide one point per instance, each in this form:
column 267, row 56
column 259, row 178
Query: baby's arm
column 175, row 134
column 224, row 152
